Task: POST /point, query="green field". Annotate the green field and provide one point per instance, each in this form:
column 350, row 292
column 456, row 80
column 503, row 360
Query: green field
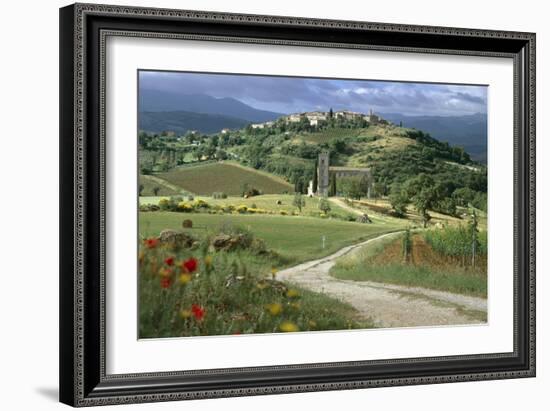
column 296, row 239
column 226, row 177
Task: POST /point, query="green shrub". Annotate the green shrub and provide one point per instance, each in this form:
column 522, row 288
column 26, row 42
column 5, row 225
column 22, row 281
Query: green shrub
column 167, row 204
column 198, row 204
column 185, row 207
column 242, row 209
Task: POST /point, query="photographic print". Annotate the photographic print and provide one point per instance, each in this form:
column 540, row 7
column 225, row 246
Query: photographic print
column 272, row 204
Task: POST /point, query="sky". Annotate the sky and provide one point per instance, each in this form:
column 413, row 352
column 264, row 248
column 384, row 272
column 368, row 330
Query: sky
column 293, row 94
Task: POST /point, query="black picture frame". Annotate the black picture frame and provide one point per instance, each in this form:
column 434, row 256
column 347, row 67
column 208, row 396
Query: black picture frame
column 83, row 29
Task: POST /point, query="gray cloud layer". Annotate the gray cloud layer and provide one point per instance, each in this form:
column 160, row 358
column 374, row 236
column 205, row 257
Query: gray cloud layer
column 291, row 94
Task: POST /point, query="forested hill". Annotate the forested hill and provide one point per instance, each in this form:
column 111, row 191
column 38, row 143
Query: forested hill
column 395, row 154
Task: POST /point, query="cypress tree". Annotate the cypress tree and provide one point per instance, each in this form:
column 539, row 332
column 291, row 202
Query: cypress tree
column 332, row 186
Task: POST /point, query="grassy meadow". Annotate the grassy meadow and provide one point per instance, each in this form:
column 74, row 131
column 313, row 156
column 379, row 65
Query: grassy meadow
column 295, row 239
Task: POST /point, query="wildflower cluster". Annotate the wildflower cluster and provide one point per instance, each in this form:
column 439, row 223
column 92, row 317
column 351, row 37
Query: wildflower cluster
column 172, row 271
column 201, row 291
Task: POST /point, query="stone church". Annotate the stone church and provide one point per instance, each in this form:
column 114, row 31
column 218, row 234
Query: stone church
column 325, row 171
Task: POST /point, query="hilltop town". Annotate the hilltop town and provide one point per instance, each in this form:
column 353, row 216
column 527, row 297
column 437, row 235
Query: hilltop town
column 317, row 118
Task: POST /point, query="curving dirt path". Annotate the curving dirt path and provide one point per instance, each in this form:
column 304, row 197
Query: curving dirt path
column 387, row 305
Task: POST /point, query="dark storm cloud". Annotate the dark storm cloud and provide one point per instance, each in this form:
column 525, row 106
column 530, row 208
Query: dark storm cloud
column 289, row 94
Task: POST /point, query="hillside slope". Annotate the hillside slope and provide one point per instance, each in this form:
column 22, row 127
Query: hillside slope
column 468, row 131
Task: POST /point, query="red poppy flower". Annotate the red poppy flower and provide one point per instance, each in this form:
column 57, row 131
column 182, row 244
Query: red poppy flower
column 151, row 242
column 169, row 261
column 165, row 282
column 190, row 265
column 198, row 312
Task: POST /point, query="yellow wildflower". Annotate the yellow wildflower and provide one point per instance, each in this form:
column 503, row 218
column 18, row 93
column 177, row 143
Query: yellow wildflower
column 273, row 272
column 288, row 327
column 185, row 278
column 208, row 260
column 292, row 293
column 184, row 314
column 274, row 308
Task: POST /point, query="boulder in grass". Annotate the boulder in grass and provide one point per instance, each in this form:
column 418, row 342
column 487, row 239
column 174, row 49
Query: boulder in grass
column 227, row 242
column 176, row 239
column 363, row 219
column 220, row 242
column 187, row 223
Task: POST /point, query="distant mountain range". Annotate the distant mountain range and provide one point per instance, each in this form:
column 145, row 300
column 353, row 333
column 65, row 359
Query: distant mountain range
column 164, row 110
column 183, row 121
column 468, row 131
column 157, row 101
